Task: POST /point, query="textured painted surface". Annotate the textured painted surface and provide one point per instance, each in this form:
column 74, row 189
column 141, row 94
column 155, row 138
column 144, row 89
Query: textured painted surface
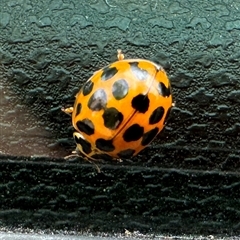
column 74, row 197
column 49, row 48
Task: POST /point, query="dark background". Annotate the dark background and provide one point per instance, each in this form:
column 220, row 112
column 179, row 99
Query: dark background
column 187, row 181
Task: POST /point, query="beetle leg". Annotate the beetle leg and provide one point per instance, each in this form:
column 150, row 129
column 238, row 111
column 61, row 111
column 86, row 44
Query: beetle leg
column 120, row 55
column 67, row 110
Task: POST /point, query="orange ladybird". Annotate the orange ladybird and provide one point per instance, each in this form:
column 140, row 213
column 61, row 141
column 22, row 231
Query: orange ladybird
column 121, row 109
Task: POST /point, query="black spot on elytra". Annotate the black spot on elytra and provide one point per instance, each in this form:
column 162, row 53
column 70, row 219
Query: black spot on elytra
column 149, row 136
column 104, row 145
column 87, row 87
column 120, row 89
column 133, row 133
column 108, row 72
column 156, row 115
column 112, row 118
column 140, row 103
column 98, row 100
column 85, row 126
column 163, row 90
column 138, row 72
column 85, row 145
column 78, row 109
column 126, row 153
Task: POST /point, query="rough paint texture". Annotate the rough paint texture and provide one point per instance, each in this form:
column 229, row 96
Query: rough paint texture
column 48, row 49
column 48, row 53
column 75, row 197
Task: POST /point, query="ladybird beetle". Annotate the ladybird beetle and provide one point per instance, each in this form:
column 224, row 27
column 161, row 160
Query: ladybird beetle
column 121, row 109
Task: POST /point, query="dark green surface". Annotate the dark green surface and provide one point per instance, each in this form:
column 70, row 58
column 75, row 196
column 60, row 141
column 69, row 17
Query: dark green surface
column 188, row 181
column 74, row 196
